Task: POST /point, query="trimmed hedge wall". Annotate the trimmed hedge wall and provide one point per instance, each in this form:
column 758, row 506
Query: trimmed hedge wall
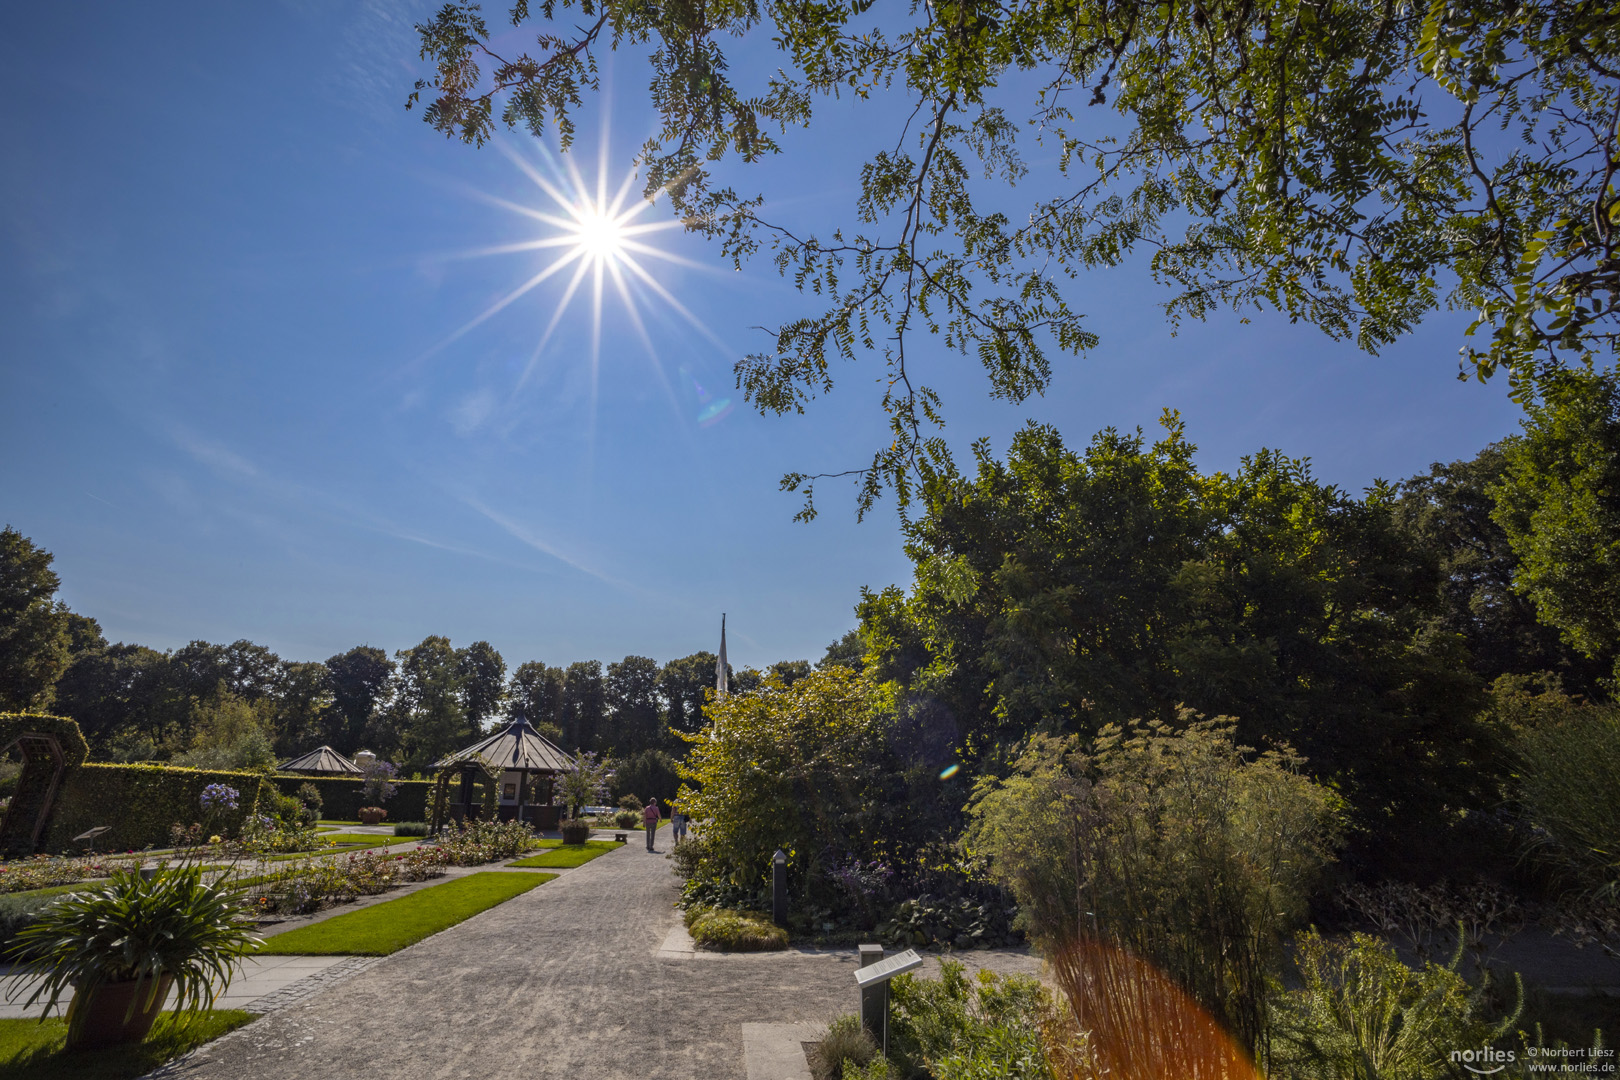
column 140, row 802
column 340, row 796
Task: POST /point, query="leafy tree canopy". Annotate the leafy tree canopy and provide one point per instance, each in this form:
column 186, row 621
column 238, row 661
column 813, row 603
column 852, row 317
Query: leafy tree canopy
column 35, row 627
column 1353, row 165
column 1559, row 504
column 1059, row 591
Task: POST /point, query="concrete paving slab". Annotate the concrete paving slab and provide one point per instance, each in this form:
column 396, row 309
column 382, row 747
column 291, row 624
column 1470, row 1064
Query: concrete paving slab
column 259, row 978
column 776, row 1051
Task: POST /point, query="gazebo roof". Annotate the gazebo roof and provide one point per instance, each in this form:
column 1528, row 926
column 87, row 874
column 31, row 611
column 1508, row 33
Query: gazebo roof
column 516, row 746
column 322, row 759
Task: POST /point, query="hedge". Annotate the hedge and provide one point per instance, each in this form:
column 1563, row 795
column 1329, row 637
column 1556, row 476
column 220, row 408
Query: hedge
column 140, row 802
column 340, row 796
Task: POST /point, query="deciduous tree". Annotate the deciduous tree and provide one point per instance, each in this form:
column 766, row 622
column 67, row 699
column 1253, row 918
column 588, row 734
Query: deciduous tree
column 1355, row 166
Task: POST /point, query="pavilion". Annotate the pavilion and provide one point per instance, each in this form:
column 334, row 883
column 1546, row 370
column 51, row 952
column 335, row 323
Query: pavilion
column 321, row 761
column 509, row 758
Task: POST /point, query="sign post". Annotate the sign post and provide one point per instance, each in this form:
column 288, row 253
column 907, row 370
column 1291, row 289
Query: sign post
column 872, row 977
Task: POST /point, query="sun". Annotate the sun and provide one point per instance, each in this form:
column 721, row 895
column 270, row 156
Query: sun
column 593, row 240
column 598, row 235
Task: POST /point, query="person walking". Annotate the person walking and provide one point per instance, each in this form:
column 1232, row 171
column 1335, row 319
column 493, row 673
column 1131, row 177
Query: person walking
column 677, row 823
column 649, row 821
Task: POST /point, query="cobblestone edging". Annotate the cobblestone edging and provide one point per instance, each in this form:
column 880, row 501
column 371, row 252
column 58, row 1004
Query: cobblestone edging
column 310, row 985
column 288, row 995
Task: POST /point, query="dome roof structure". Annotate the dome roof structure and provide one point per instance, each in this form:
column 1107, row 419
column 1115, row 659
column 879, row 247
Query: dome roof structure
column 516, row 746
column 322, row 760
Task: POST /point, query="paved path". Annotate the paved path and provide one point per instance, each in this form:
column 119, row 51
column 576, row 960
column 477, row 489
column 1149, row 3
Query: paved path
column 579, row 978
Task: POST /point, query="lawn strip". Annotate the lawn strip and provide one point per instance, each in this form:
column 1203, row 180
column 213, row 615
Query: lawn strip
column 31, row 1050
column 570, row 855
column 390, row 926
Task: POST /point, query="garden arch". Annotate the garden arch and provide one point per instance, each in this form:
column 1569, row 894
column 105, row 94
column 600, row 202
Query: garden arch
column 51, row 747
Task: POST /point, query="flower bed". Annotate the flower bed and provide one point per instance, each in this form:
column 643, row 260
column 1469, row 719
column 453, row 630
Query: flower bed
column 480, row 842
column 43, row 871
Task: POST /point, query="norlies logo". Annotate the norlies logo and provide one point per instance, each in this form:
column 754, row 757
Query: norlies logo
column 1483, row 1061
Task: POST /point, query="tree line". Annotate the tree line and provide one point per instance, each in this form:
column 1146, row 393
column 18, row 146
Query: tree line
column 240, row 705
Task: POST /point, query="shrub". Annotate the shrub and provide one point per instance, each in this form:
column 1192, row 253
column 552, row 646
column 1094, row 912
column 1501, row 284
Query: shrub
column 961, row 923
column 630, row 802
column 846, row 1041
column 410, row 828
column 1362, row 1013
column 343, row 796
column 951, row 1027
column 1177, row 845
column 1568, row 773
column 310, row 797
column 627, row 819
column 799, row 768
column 736, row 931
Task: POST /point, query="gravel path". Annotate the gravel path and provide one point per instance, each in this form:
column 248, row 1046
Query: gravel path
column 571, row 979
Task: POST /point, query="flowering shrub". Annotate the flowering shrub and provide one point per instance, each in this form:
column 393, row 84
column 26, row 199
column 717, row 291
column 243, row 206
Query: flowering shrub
column 265, row 835
column 484, row 841
column 377, row 782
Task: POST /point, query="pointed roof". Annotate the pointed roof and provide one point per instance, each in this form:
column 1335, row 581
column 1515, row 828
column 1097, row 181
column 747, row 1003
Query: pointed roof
column 516, row 746
column 322, row 759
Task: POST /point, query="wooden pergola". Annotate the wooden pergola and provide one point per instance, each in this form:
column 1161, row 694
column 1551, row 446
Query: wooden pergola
column 518, row 759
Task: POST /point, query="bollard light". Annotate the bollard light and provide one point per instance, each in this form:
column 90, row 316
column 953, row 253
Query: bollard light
column 779, row 888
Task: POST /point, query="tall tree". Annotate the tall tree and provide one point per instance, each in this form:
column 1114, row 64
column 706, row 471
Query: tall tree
column 633, row 705
column 483, row 682
column 848, row 651
column 536, row 693
column 125, row 691
column 1559, row 503
column 361, row 682
column 584, row 705
column 35, row 627
column 685, row 685
column 432, row 719
column 1340, row 164
column 1447, row 511
column 304, row 709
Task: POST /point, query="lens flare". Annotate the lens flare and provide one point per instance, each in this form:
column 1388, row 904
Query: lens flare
column 949, row 771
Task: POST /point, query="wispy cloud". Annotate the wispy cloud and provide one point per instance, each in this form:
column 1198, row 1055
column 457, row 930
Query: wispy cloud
column 527, row 536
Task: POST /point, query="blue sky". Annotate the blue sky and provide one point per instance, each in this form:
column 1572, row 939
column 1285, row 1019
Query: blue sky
column 232, row 401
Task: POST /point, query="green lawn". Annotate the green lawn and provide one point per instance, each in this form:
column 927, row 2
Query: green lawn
column 30, row 1050
column 388, row 927
column 563, row 856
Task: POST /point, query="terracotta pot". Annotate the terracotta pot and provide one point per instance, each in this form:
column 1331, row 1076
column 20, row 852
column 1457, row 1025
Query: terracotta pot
column 115, row 1013
column 372, row 815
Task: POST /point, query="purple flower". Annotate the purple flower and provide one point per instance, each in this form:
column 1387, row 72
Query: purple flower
column 220, row 797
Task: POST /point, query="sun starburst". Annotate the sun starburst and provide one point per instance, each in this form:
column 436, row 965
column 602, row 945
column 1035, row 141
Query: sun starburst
column 596, row 235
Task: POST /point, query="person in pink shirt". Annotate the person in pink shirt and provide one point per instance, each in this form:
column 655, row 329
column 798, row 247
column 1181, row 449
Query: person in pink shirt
column 649, row 821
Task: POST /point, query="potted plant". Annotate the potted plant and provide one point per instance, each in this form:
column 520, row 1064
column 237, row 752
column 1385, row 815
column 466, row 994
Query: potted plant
column 122, row 948
column 372, row 815
column 575, row 831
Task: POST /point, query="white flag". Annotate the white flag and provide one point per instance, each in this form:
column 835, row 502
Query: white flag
column 720, row 686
